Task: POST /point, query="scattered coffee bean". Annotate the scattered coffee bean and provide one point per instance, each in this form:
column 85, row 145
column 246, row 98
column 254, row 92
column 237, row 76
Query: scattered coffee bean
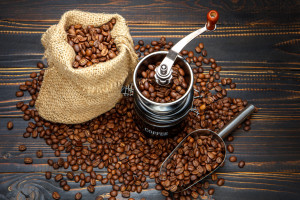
column 241, row 164
column 40, row 65
column 22, row 147
column 28, row 160
column 214, row 177
column 70, row 175
column 230, row 138
column 211, row 191
column 232, row 159
column 19, row 94
column 247, row 128
column 91, row 189
column 126, row 194
column 62, row 183
column 55, row 196
column 78, row 196
column 48, row 175
column 114, row 193
column 99, row 198
column 220, row 182
column 165, row 193
column 66, row 187
column 58, row 177
column 10, row 125
column 39, row 153
column 230, row 148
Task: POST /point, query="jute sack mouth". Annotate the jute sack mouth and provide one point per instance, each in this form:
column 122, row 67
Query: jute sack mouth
column 71, row 95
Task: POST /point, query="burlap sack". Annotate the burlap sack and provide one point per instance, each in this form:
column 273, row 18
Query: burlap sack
column 71, row 95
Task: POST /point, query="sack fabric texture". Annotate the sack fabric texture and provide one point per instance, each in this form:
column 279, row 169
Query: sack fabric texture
column 71, row 95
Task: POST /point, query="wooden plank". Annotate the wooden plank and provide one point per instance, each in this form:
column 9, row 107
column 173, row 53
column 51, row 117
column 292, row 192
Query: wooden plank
column 238, row 185
column 176, row 12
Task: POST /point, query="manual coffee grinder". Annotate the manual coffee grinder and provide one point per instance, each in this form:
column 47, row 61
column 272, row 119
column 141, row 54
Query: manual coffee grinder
column 161, row 120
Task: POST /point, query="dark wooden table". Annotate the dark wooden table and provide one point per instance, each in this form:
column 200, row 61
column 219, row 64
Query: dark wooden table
column 258, row 45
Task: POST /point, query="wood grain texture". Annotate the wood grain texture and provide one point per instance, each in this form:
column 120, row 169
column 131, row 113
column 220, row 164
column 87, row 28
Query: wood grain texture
column 257, row 43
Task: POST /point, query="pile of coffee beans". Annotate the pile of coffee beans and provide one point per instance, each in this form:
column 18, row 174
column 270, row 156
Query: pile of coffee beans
column 113, row 141
column 197, row 157
column 162, row 94
column 92, row 44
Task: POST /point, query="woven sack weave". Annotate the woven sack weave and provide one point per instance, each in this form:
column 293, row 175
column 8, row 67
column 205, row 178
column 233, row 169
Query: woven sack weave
column 71, row 95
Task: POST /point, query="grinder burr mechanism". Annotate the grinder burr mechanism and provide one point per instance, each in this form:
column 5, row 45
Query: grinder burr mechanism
column 166, row 119
column 163, row 73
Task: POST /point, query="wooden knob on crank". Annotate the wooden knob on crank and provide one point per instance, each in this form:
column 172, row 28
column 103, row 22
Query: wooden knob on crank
column 212, row 18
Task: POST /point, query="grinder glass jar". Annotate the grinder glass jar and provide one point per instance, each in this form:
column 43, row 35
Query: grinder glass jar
column 161, row 115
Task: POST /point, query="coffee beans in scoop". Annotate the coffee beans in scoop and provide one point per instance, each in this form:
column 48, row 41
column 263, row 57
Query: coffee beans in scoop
column 196, row 158
column 163, row 94
column 92, row 44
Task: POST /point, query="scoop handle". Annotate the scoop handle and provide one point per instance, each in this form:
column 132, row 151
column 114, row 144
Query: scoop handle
column 212, row 18
column 235, row 122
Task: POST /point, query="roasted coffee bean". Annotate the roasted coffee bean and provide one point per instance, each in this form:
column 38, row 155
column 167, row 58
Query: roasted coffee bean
column 165, row 193
column 62, row 183
column 22, row 147
column 241, row 164
column 55, row 196
column 214, row 177
column 197, row 49
column 76, row 179
column 91, row 189
column 66, row 187
column 211, row 191
column 20, row 104
column 194, row 194
column 10, row 125
column 39, row 153
column 126, row 194
column 220, row 182
column 247, row 128
column 40, row 65
column 50, row 162
column 230, row 148
column 141, row 42
column 19, row 94
column 48, row 175
column 99, row 198
column 58, row 177
column 33, row 75
column 28, row 160
column 78, row 196
column 230, row 138
column 114, row 193
column 82, row 183
column 232, row 159
column 70, row 175
column 201, row 45
column 173, row 188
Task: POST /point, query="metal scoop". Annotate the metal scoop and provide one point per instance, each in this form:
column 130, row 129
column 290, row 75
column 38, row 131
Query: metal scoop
column 235, row 122
column 163, row 73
